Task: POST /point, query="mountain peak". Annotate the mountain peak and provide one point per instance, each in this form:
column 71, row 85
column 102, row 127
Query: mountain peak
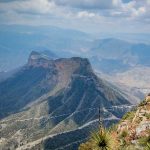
column 55, row 96
column 37, row 55
column 82, row 62
column 37, row 59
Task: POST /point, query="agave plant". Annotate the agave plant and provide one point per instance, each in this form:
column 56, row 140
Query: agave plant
column 103, row 140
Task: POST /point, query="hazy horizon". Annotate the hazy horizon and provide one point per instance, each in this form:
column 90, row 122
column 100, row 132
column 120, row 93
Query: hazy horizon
column 107, row 16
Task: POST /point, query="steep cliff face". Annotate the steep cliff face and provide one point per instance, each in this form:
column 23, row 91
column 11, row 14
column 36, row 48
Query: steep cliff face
column 50, row 97
column 39, row 76
column 39, row 60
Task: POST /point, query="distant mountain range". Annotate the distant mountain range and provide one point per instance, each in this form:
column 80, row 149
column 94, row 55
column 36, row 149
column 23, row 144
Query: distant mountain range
column 114, row 55
column 117, row 60
column 55, row 94
column 50, row 99
column 123, row 63
column 108, row 55
column 17, row 42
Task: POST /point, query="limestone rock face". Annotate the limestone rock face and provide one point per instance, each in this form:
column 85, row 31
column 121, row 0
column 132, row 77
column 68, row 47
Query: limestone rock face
column 137, row 122
column 48, row 97
column 38, row 60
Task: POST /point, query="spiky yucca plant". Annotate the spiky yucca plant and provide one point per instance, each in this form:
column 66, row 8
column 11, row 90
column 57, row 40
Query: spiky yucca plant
column 103, row 140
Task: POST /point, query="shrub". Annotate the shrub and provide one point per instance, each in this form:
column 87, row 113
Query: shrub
column 145, row 142
column 101, row 140
column 129, row 115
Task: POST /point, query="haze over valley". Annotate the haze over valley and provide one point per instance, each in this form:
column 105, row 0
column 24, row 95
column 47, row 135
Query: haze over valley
column 69, row 68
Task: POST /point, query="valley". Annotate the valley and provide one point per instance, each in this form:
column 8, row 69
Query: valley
column 74, row 74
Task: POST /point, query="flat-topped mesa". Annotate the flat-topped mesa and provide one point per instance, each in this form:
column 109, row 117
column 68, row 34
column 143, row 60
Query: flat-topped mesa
column 75, row 63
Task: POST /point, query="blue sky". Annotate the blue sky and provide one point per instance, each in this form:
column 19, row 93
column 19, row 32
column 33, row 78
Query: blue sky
column 131, row 16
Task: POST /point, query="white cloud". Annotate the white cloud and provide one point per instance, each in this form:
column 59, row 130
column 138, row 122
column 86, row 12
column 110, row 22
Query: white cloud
column 106, row 15
column 133, row 10
column 89, row 4
column 138, row 12
column 85, row 14
column 30, row 6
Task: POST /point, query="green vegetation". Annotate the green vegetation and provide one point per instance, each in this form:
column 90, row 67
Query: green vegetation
column 125, row 135
column 145, row 142
column 143, row 103
column 123, row 139
column 147, row 115
column 102, row 140
column 128, row 115
column 106, row 140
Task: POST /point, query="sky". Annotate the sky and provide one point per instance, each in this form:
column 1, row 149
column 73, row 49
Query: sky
column 111, row 16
